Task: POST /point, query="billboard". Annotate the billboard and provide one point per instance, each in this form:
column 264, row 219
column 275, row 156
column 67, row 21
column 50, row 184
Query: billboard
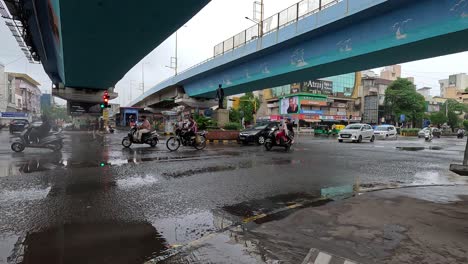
column 289, row 105
column 79, row 108
column 317, row 87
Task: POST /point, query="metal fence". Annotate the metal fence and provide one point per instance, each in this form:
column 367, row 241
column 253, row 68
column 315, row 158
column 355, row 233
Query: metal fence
column 275, row 22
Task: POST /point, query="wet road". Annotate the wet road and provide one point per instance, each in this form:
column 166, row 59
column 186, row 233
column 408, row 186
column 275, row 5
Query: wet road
column 95, row 202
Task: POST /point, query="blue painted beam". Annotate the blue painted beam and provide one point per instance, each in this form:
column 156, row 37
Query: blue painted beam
column 347, row 37
column 414, row 30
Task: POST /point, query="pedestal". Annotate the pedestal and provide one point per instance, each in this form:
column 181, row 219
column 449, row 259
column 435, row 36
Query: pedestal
column 221, row 116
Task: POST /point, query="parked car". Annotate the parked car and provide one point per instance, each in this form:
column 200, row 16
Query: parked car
column 356, row 133
column 385, row 132
column 435, row 132
column 256, row 134
column 18, row 125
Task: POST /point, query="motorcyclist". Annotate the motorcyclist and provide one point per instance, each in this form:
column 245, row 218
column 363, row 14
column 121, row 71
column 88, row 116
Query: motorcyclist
column 460, row 132
column 285, row 132
column 42, row 131
column 192, row 127
column 145, row 127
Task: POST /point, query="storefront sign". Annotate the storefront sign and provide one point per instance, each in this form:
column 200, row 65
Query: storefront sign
column 313, row 102
column 316, row 112
column 318, row 87
column 13, row 114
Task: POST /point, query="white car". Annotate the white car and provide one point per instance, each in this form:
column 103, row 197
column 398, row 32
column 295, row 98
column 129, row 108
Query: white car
column 356, row 133
column 385, row 132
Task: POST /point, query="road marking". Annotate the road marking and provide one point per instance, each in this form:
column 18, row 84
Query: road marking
column 322, row 258
column 349, row 262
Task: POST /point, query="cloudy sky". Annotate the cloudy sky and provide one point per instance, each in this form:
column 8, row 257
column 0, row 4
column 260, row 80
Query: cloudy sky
column 218, row 21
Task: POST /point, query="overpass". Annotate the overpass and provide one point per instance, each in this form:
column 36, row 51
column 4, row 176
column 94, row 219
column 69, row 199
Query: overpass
column 87, row 46
column 308, row 41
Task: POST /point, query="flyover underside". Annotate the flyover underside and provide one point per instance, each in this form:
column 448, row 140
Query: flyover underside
column 433, row 47
column 410, row 31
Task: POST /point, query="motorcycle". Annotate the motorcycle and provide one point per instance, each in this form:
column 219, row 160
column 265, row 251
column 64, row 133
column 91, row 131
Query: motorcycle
column 53, row 140
column 181, row 137
column 151, row 138
column 270, row 141
column 460, row 133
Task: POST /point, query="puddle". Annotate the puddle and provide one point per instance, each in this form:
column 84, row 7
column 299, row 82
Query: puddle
column 22, row 195
column 107, row 242
column 411, row 148
column 436, row 178
column 135, row 182
column 187, row 228
column 252, row 208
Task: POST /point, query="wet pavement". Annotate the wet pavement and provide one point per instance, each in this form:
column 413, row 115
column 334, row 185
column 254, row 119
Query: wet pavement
column 96, row 202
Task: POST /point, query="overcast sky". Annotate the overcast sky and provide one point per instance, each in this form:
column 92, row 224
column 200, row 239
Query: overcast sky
column 218, row 21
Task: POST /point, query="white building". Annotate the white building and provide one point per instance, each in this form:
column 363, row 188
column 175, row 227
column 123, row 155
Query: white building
column 7, row 92
column 457, row 83
column 426, row 92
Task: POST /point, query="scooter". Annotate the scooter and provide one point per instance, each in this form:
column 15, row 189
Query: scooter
column 53, row 141
column 151, row 138
column 428, row 136
column 270, row 141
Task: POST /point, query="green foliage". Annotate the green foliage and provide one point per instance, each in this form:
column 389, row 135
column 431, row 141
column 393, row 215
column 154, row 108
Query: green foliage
column 204, row 122
column 453, row 120
column 401, row 98
column 247, row 106
column 56, row 112
column 438, row 118
column 466, row 90
column 235, row 116
column 410, row 130
column 465, row 124
column 232, row 126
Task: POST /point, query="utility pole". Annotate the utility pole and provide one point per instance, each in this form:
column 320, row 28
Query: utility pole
column 261, row 18
column 176, row 58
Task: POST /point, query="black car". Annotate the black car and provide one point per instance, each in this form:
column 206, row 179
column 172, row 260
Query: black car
column 18, row 125
column 256, row 134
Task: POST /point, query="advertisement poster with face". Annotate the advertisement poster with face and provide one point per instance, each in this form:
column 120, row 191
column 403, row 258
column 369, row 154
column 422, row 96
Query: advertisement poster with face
column 290, row 105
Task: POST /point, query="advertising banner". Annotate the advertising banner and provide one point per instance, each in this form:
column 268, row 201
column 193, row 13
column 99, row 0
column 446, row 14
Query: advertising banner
column 318, row 87
column 289, row 105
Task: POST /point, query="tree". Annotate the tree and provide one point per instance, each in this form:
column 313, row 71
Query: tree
column 401, row 98
column 247, row 106
column 438, row 118
column 454, row 109
column 56, row 112
column 234, row 116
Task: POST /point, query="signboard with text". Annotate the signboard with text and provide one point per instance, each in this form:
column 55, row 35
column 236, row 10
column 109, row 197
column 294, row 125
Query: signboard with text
column 318, row 87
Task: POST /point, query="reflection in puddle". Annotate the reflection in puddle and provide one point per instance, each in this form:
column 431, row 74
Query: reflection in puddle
column 186, row 228
column 133, row 182
column 21, row 195
column 264, row 206
column 436, row 177
column 108, row 242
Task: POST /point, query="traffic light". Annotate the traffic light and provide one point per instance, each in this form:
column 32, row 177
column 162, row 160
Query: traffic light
column 105, row 99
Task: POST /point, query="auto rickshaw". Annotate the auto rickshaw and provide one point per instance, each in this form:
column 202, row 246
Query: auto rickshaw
column 322, row 130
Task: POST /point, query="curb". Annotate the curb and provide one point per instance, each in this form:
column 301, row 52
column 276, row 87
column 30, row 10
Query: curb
column 219, row 141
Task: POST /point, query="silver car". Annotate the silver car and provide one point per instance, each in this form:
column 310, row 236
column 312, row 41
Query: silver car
column 385, row 132
column 356, row 133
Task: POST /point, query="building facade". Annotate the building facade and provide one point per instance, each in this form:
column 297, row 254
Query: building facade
column 327, row 100
column 27, row 95
column 371, row 99
column 391, row 72
column 7, row 92
column 453, row 86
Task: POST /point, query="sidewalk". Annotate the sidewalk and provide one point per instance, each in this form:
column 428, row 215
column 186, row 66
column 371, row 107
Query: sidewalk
column 408, row 225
